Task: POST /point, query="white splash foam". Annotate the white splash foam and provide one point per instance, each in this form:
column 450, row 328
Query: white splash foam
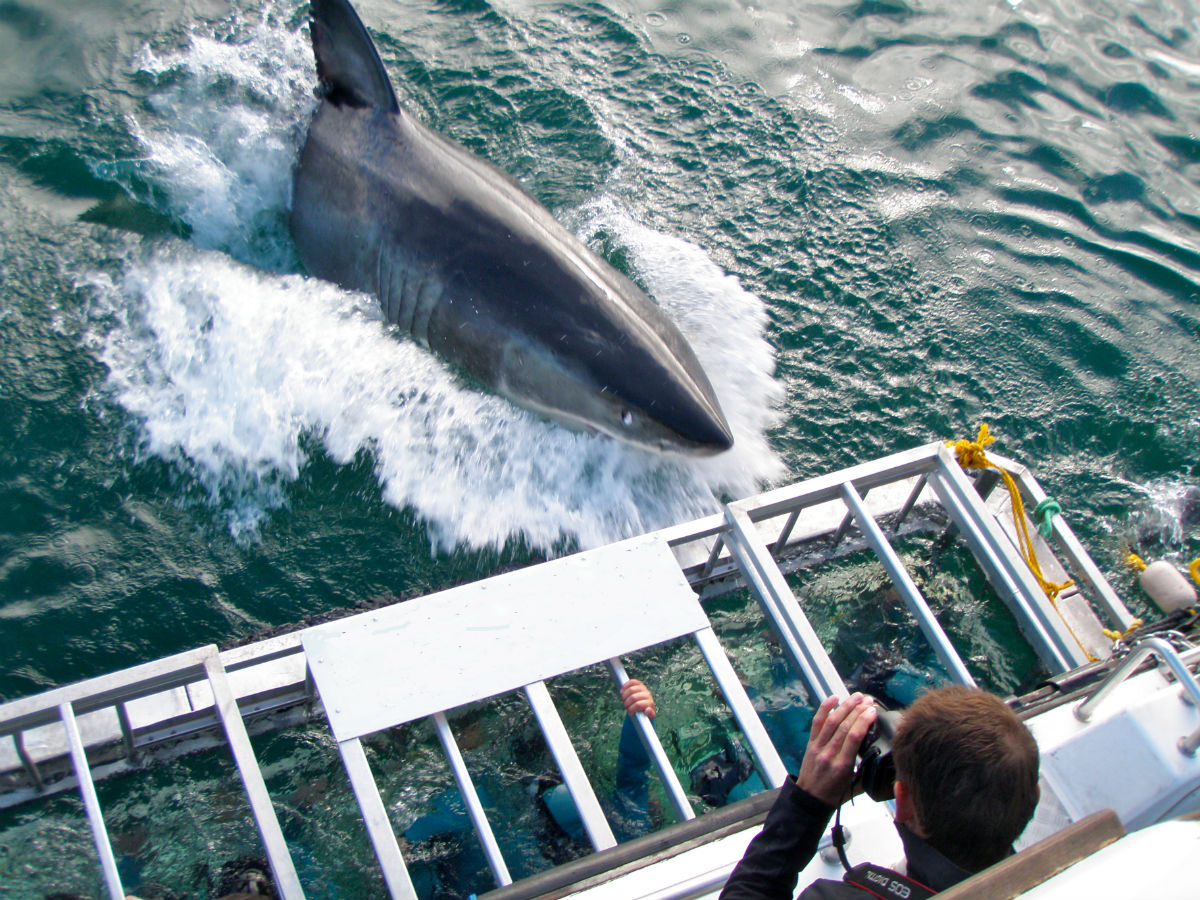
column 230, row 368
column 724, row 323
column 1168, row 515
column 220, row 135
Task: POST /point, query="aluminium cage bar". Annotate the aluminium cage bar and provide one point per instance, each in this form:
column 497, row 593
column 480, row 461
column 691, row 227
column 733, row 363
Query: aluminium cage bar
column 789, row 623
column 1081, row 563
column 286, row 880
column 466, row 789
column 1005, row 568
column 126, row 732
column 91, row 803
column 822, row 488
column 510, row 633
column 569, row 766
column 375, row 818
column 767, row 761
column 66, row 704
column 916, row 603
column 105, row 691
column 649, row 738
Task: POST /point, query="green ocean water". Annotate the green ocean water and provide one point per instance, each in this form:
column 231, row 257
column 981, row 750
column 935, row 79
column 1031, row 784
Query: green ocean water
column 879, row 224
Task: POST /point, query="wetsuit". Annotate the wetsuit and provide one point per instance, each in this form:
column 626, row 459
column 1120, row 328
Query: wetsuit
column 630, row 807
column 788, row 842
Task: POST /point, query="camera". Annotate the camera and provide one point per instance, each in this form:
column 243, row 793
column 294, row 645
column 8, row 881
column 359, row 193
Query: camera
column 876, row 770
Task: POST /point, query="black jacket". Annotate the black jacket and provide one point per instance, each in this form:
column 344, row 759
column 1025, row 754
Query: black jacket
column 788, row 842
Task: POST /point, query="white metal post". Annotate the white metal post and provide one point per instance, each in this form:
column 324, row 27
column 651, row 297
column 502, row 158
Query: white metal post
column 91, row 803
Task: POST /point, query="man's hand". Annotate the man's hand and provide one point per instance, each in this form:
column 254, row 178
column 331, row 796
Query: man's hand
column 637, row 698
column 837, row 732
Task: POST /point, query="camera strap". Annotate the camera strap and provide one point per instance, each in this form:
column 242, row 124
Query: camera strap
column 886, row 884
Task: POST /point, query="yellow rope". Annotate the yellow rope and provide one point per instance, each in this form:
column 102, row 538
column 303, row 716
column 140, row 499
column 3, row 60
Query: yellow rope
column 971, row 455
column 1121, row 635
column 1133, row 561
column 1194, row 568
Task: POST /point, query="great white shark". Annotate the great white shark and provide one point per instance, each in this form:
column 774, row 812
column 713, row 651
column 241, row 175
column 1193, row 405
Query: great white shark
column 469, row 264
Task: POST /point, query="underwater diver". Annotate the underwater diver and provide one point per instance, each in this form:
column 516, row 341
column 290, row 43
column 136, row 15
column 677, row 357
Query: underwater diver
column 724, row 777
column 630, row 801
column 448, row 853
column 966, row 786
column 728, row 775
column 239, row 879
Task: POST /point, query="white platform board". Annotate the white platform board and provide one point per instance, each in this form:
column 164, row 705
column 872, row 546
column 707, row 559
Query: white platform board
column 437, row 652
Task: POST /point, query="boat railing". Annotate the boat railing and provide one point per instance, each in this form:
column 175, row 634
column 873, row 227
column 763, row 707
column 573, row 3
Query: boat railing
column 1143, row 650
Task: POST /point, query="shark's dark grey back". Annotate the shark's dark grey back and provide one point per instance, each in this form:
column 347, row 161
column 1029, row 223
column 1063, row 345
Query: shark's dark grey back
column 348, row 65
column 466, row 261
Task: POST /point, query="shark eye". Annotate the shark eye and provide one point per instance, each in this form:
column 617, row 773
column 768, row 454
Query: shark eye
column 626, row 418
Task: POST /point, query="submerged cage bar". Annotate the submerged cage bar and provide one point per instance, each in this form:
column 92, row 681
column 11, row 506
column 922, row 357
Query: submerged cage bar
column 916, row 603
column 91, row 803
column 718, row 546
column 27, row 762
column 913, row 496
column 466, row 788
column 662, row 765
column 786, row 531
column 848, row 519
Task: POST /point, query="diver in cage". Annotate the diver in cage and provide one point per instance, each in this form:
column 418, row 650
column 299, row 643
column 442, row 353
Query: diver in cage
column 630, row 801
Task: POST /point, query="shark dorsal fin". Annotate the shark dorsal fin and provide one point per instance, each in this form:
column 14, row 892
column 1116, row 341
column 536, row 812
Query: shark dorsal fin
column 348, row 64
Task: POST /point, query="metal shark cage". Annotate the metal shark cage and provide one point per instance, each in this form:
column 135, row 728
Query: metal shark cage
column 426, row 657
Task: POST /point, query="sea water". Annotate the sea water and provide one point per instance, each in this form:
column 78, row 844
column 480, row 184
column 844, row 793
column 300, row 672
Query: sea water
column 879, row 224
